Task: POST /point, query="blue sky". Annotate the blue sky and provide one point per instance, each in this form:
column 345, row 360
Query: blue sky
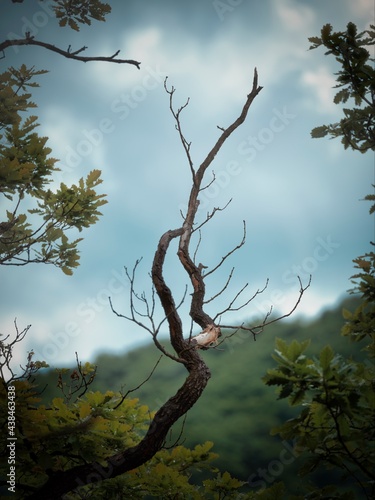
column 298, row 196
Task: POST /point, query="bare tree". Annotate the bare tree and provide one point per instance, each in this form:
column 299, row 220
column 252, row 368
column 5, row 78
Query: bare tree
column 186, row 347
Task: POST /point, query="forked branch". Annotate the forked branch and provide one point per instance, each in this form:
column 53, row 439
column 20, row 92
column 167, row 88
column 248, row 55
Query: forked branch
column 255, row 330
column 30, row 40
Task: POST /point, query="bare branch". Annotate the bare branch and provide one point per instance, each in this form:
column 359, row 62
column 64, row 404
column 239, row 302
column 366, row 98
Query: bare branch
column 124, row 396
column 176, row 115
column 210, row 183
column 178, row 441
column 30, row 40
column 229, row 308
column 78, row 381
column 198, row 245
column 255, row 330
column 157, row 329
column 210, row 215
column 6, row 355
column 132, row 294
column 193, row 200
column 222, row 290
column 166, row 353
column 223, row 259
column 134, row 312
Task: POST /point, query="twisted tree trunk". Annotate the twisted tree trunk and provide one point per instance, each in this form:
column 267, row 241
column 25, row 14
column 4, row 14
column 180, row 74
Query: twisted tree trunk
column 185, row 349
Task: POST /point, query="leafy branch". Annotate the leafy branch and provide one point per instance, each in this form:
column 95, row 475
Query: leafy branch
column 356, row 80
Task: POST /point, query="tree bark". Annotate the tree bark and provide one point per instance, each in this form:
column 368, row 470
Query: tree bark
column 186, row 350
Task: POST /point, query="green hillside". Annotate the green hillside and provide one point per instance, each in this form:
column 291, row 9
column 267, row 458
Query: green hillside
column 237, row 410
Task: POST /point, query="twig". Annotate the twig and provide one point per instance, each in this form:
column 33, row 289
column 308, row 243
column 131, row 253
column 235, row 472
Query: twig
column 210, row 215
column 124, row 396
column 176, row 115
column 238, row 308
column 222, row 290
column 286, row 315
column 223, row 259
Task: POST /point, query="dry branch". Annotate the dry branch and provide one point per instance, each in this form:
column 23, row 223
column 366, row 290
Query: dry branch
column 30, row 40
column 255, row 330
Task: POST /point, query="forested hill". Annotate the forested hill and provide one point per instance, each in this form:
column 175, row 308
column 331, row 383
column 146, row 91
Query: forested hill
column 237, row 410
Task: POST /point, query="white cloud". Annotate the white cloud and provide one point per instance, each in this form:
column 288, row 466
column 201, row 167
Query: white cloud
column 144, row 45
column 77, row 143
column 294, row 16
column 362, row 9
column 320, row 82
column 215, row 73
column 311, row 304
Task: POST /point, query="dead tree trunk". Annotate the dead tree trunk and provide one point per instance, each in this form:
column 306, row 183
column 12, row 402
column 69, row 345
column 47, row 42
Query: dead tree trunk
column 185, row 348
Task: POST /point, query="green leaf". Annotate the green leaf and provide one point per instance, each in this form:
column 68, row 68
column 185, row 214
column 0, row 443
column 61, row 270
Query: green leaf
column 72, row 24
column 326, row 356
column 347, row 314
column 341, row 96
column 274, row 492
column 319, row 132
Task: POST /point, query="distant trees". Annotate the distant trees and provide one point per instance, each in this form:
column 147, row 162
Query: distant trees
column 336, row 427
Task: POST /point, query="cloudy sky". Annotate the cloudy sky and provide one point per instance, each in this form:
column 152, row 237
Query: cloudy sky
column 300, row 197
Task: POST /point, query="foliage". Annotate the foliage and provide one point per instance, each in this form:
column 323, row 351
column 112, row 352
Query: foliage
column 38, row 233
column 336, row 423
column 53, row 438
column 356, row 80
column 335, row 428
column 56, row 437
column 71, row 13
column 361, row 323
